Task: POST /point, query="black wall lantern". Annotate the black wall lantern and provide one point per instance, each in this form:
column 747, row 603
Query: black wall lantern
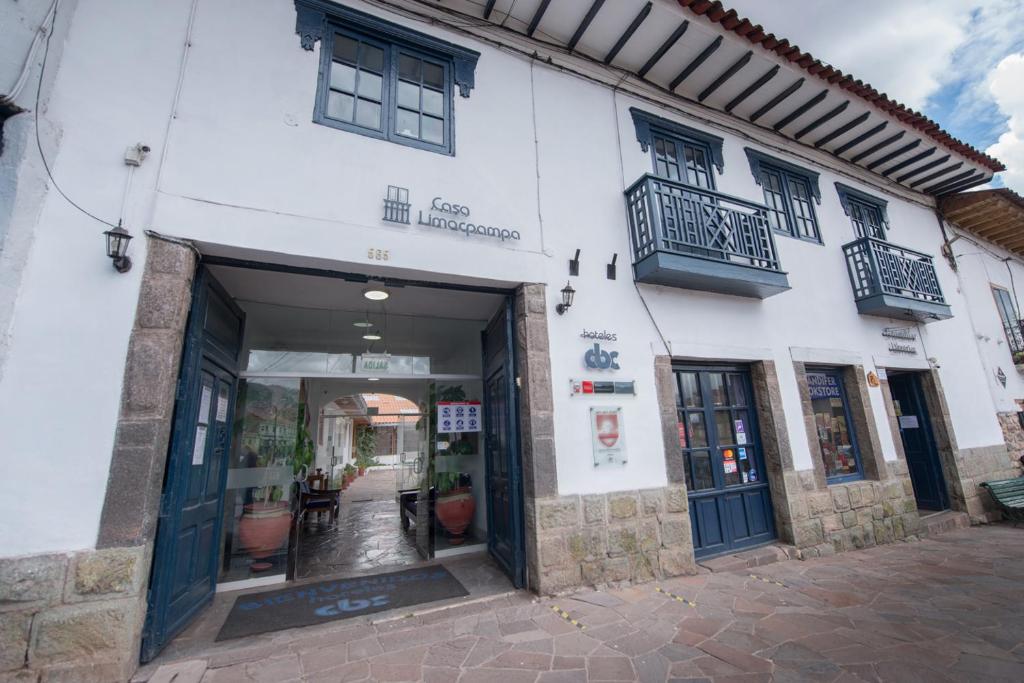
column 567, row 296
column 117, row 248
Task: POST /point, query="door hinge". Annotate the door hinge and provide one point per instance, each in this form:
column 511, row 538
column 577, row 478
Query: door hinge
column 519, row 382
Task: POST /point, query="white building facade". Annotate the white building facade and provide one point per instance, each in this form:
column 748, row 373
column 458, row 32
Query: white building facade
column 804, row 373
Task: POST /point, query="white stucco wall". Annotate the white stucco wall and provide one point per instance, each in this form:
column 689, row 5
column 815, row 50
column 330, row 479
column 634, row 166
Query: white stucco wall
column 982, row 266
column 246, row 169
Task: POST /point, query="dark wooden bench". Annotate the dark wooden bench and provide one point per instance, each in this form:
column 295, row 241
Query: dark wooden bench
column 1009, row 496
column 407, row 506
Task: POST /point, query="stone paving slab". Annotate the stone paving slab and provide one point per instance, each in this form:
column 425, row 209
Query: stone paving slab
column 943, row 609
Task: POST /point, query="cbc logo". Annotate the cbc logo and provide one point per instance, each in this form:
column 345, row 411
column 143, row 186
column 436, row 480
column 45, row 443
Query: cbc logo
column 600, row 359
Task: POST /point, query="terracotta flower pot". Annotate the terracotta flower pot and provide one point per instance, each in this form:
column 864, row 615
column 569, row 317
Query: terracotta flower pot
column 454, row 510
column 263, row 528
column 362, row 471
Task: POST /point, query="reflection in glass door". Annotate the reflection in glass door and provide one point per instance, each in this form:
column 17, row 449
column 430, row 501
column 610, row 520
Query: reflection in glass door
column 730, row 504
column 271, row 442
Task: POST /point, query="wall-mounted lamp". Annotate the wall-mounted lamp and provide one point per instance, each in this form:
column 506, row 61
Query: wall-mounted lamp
column 574, row 264
column 567, row 296
column 117, row 248
column 611, row 267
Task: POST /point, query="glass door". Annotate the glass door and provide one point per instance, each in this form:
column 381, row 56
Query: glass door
column 730, row 504
column 271, row 442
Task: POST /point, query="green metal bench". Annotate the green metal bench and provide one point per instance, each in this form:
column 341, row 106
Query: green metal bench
column 1009, row 496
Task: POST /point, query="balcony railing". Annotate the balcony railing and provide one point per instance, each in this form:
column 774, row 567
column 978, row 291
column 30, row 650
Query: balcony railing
column 1015, row 338
column 695, row 238
column 894, row 282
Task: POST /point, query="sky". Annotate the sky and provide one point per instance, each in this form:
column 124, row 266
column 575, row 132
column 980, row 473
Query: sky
column 959, row 62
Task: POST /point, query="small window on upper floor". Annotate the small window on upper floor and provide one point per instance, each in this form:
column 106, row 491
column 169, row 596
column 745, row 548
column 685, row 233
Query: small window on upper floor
column 680, row 153
column 789, row 193
column 384, row 80
column 682, row 159
column 387, row 91
column 867, row 213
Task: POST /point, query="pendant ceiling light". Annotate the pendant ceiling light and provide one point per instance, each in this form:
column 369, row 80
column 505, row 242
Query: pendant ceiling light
column 372, row 335
column 376, row 293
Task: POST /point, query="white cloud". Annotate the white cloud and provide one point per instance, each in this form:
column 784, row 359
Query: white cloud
column 952, row 52
column 1005, row 85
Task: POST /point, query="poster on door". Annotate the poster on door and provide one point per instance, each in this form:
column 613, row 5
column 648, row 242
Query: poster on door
column 607, row 436
column 458, row 416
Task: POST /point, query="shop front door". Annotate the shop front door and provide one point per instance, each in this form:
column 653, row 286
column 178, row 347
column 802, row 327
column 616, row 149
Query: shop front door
column 501, row 444
column 184, row 570
column 730, row 504
column 918, row 441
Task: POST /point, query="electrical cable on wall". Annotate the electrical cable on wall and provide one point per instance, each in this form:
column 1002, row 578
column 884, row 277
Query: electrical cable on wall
column 39, row 143
column 26, row 66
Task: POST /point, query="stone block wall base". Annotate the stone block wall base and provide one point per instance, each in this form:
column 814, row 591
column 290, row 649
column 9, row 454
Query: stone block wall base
column 822, row 521
column 612, row 538
column 989, row 463
column 72, row 617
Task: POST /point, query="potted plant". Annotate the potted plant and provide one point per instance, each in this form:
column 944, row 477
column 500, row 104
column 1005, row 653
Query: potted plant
column 350, row 474
column 366, row 446
column 265, row 522
column 455, row 504
column 263, row 526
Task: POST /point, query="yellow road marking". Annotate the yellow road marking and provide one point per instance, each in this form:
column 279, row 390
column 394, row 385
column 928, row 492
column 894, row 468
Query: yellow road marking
column 565, row 615
column 767, row 580
column 677, row 598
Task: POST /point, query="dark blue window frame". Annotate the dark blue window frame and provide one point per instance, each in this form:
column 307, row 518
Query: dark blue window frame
column 859, row 474
column 779, row 181
column 323, row 20
column 650, row 129
column 691, row 159
column 389, row 94
column 867, row 213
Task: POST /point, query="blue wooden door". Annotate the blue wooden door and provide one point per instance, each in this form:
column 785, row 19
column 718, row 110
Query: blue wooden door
column 184, row 573
column 918, row 441
column 501, row 446
column 730, row 504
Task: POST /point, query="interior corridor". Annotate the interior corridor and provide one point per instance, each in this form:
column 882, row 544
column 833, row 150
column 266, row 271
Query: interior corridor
column 368, row 536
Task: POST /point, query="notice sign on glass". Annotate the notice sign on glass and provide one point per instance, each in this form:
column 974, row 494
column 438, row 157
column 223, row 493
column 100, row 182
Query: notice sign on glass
column 821, row 385
column 458, row 416
column 609, row 439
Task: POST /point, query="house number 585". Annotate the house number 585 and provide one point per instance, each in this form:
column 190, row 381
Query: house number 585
column 378, row 254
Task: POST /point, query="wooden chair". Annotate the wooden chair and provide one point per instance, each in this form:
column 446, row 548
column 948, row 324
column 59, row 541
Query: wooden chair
column 318, row 500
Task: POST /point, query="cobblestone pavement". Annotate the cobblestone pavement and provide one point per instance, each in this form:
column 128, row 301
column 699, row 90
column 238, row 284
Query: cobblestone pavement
column 942, row 609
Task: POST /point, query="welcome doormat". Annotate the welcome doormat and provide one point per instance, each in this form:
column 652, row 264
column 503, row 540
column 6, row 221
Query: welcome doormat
column 317, row 603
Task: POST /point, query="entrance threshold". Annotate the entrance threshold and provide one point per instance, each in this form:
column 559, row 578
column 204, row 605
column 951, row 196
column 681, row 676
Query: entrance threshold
column 939, row 522
column 480, row 575
column 748, row 559
column 258, row 582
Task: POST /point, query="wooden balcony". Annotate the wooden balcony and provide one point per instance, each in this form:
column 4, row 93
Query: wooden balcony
column 894, row 282
column 693, row 238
